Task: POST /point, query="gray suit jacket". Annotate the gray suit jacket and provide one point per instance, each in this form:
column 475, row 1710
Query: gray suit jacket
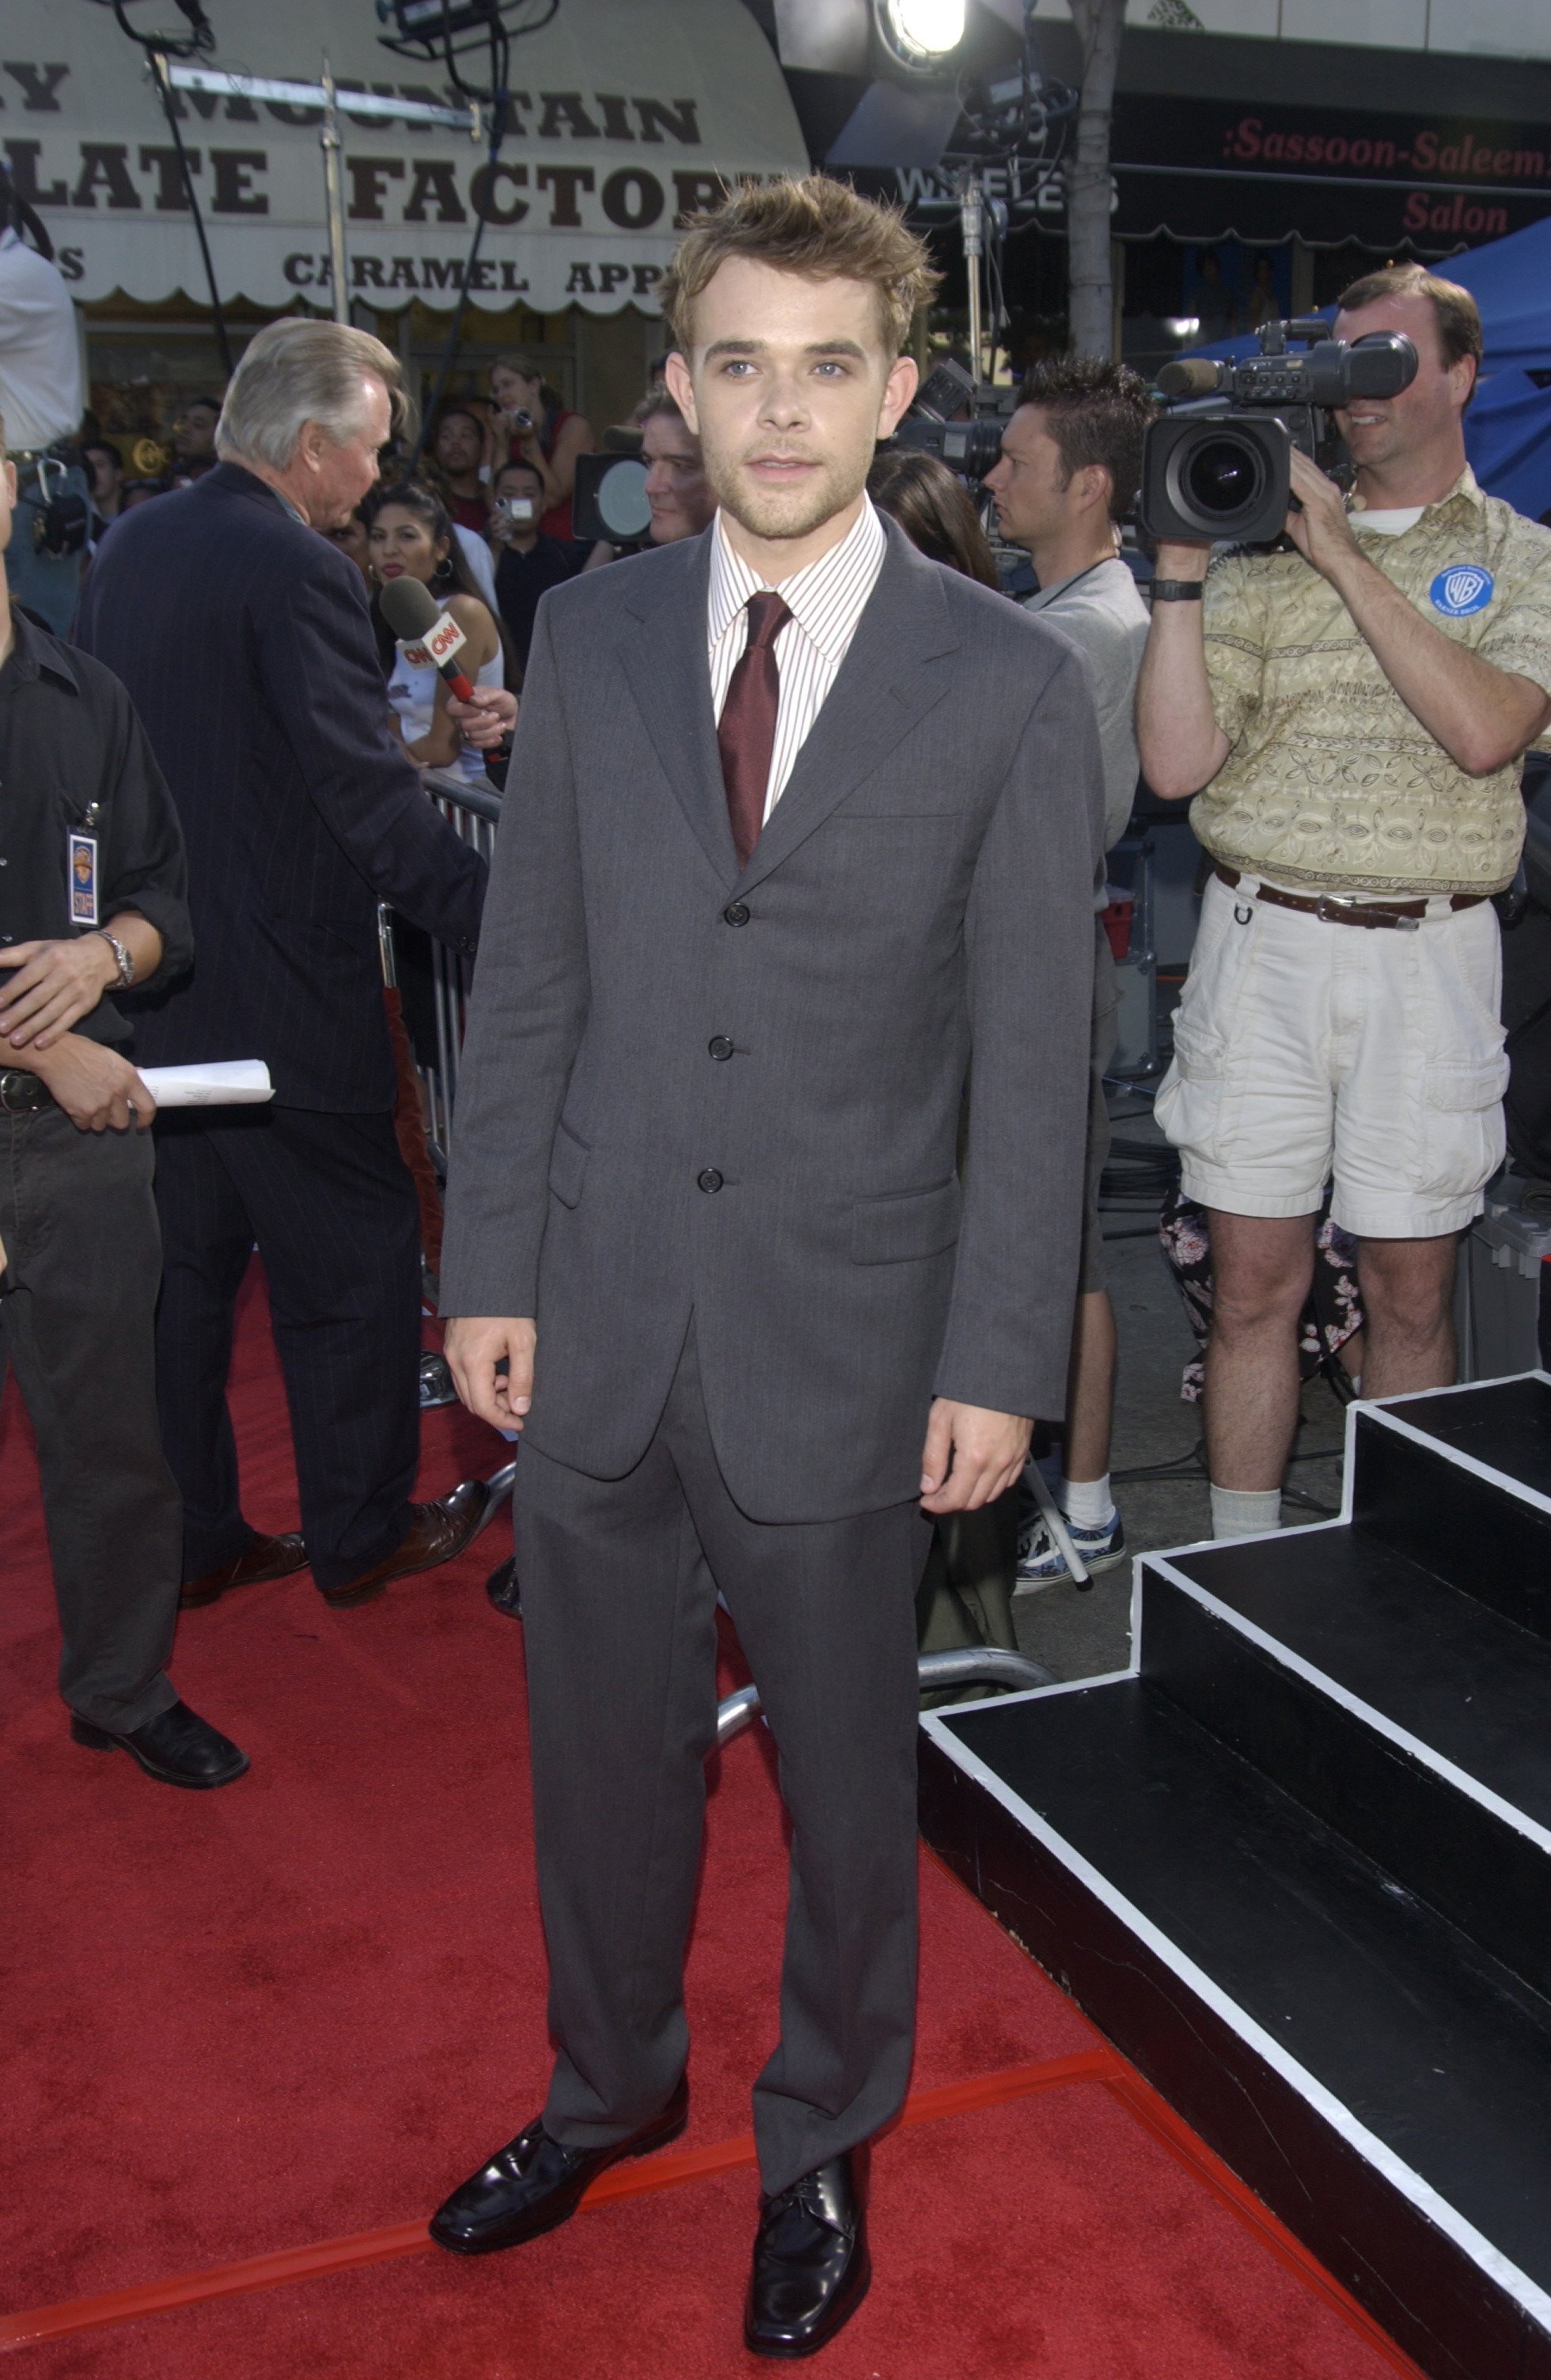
column 918, row 910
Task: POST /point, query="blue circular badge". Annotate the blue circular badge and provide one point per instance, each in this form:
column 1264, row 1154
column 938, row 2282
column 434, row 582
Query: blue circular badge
column 1461, row 590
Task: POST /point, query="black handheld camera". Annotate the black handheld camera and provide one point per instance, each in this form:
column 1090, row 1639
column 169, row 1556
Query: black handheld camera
column 1217, row 462
column 970, row 448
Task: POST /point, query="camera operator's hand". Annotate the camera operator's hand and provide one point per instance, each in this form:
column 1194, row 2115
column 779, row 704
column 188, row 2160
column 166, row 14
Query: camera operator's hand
column 1320, row 530
column 1183, row 561
column 487, row 719
column 99, row 1090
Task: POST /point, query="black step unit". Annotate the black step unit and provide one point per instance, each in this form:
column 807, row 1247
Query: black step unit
column 1381, row 2082
column 1400, row 1711
column 1483, row 1525
column 1504, row 1425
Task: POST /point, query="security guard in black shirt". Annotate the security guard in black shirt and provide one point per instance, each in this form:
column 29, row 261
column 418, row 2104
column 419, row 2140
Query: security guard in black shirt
column 92, row 901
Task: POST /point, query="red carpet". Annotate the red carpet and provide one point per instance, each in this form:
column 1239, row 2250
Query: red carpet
column 244, row 2022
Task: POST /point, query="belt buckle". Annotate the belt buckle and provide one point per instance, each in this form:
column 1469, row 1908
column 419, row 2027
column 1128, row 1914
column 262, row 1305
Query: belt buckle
column 14, row 1078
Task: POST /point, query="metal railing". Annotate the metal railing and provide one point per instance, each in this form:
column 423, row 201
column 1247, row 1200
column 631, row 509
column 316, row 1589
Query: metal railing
column 473, row 813
column 972, row 1665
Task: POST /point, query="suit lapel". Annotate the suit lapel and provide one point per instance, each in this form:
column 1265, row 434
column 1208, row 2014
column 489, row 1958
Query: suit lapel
column 899, row 664
column 663, row 648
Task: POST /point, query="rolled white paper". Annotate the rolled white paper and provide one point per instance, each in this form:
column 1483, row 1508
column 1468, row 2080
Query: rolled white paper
column 227, row 1082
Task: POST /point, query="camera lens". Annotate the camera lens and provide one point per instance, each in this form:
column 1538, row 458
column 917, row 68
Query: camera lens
column 1223, row 477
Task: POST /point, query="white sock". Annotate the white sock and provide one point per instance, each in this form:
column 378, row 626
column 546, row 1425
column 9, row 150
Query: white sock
column 1246, row 1511
column 1085, row 1502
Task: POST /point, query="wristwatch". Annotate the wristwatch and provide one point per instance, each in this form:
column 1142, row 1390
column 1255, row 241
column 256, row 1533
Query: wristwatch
column 125, row 964
column 1178, row 591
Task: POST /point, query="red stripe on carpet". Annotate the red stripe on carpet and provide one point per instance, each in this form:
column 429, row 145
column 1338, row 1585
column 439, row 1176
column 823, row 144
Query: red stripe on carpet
column 409, row 2238
column 1170, row 2130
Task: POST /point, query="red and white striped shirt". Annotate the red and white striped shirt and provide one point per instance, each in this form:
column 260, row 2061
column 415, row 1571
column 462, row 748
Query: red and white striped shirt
column 826, row 602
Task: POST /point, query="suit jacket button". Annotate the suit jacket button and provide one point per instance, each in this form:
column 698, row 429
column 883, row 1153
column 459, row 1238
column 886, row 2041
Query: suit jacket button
column 709, row 1180
column 721, row 1047
column 736, row 913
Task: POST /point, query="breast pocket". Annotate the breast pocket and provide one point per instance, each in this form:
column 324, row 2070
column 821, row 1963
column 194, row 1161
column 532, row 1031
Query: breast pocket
column 906, row 1225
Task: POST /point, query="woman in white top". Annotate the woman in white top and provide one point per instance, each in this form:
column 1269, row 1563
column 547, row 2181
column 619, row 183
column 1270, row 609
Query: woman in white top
column 411, row 536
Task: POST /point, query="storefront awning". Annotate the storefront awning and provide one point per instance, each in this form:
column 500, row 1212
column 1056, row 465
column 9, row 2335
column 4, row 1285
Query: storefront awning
column 1208, row 169
column 628, row 114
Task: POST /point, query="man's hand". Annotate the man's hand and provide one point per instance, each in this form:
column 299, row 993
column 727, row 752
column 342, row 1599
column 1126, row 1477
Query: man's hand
column 1320, row 530
column 475, row 1346
column 51, row 987
column 99, row 1090
column 489, row 715
column 1179, row 561
column 971, row 1456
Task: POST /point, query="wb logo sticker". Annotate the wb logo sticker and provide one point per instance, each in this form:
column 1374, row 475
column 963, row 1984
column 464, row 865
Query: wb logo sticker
column 1458, row 592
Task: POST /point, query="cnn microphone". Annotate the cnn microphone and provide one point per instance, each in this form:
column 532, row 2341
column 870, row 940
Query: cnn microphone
column 425, row 633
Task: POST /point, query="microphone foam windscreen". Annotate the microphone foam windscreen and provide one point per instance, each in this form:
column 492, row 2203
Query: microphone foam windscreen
column 1196, row 378
column 410, row 610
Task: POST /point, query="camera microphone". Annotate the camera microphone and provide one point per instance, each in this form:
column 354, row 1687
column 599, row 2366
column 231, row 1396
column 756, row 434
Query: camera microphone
column 424, row 633
column 1188, row 377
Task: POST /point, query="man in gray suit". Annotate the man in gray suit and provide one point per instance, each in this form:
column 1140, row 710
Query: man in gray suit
column 800, row 835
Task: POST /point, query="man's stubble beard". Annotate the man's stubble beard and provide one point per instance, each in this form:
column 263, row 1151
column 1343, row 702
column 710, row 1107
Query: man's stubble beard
column 777, row 513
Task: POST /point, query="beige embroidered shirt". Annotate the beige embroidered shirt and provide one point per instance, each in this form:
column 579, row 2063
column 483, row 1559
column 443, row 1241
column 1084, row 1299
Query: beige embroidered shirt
column 1331, row 780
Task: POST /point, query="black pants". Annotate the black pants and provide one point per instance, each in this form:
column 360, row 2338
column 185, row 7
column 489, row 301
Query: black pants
column 329, row 1201
column 619, row 1586
column 78, row 1301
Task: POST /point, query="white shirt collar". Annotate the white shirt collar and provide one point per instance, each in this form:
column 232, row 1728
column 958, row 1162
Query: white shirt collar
column 825, row 599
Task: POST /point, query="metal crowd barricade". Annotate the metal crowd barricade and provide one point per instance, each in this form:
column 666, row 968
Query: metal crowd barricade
column 473, row 812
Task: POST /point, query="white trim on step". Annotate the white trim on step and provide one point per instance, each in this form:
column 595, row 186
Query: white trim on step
column 1488, row 2259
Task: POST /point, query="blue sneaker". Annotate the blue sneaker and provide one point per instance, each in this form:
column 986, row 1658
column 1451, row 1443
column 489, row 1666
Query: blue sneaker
column 1042, row 1563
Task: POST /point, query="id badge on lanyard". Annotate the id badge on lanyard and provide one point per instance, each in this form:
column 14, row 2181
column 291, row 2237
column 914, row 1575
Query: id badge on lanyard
column 81, row 852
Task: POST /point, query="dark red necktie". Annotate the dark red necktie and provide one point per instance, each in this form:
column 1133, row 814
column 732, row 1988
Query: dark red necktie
column 745, row 734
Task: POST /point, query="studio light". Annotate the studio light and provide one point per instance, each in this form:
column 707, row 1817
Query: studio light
column 922, row 35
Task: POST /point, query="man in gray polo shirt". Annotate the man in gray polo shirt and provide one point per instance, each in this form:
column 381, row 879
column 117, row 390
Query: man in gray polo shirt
column 1071, row 463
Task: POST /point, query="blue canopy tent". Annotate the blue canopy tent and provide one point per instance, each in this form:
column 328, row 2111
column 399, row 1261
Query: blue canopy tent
column 1508, row 429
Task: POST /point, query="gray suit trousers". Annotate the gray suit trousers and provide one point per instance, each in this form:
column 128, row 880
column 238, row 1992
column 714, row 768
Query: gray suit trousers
column 619, row 1586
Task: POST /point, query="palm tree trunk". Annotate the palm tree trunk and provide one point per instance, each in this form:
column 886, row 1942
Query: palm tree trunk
column 1099, row 24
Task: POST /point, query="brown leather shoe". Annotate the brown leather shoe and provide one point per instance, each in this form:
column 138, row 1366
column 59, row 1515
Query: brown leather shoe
column 266, row 1558
column 437, row 1532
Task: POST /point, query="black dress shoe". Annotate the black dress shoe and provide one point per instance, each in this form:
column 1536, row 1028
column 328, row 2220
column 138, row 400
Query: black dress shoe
column 533, row 2184
column 503, row 1588
column 811, row 2268
column 176, row 1748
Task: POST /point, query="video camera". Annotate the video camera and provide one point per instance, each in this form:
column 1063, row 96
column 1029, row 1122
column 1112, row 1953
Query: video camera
column 970, row 447
column 1217, row 463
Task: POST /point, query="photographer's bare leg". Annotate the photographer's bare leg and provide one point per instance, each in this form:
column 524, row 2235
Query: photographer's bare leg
column 1261, row 1267
column 1407, row 1298
column 1090, row 1388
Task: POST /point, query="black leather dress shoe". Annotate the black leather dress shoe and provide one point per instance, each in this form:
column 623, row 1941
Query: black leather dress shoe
column 503, row 1588
column 533, row 2184
column 811, row 2268
column 176, row 1748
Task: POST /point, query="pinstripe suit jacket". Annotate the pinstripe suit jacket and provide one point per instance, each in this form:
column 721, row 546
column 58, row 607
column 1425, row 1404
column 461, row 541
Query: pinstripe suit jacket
column 245, row 643
column 691, row 1089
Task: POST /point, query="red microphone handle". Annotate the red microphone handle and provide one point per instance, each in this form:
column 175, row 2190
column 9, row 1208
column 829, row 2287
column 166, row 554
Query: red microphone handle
column 457, row 681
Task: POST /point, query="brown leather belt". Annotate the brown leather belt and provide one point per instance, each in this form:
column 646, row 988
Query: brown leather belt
column 1337, row 912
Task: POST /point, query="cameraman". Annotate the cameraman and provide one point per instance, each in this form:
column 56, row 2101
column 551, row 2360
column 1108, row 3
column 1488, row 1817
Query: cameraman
column 1070, row 462
column 41, row 400
column 1355, row 709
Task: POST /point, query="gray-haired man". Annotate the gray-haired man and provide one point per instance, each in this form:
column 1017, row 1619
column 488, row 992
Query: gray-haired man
column 245, row 641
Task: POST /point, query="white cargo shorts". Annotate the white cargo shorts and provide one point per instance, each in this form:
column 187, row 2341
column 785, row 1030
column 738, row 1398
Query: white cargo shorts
column 1305, row 1049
